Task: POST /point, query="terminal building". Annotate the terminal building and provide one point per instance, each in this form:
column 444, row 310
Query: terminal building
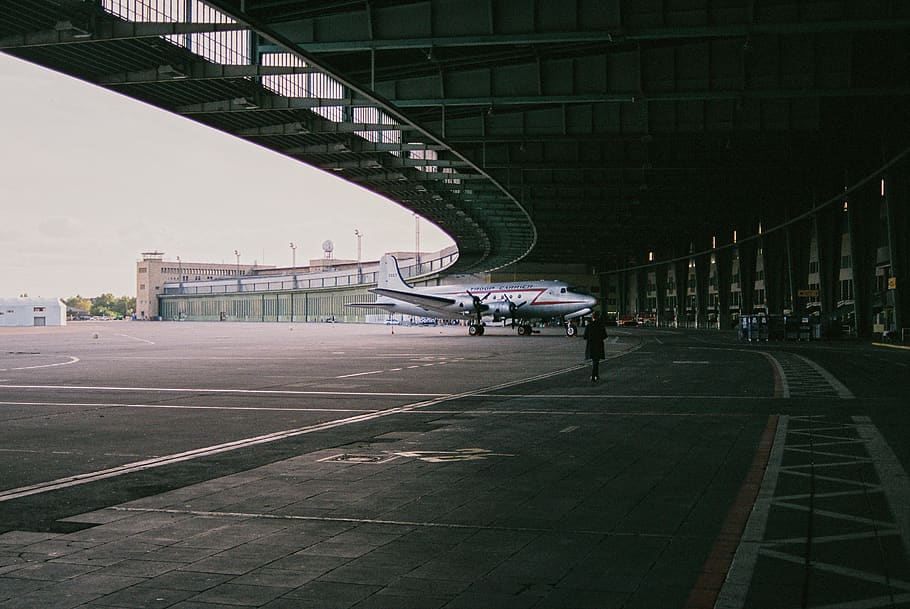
column 23, row 312
column 153, row 272
column 176, row 290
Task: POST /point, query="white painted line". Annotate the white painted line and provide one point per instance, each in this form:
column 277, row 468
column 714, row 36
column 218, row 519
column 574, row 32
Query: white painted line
column 784, row 383
column 347, row 376
column 184, row 407
column 842, row 392
column 865, row 576
column 630, row 396
column 404, row 523
column 569, row 429
column 732, row 594
column 137, row 466
column 891, row 473
column 700, row 362
column 72, row 360
column 290, row 392
column 136, row 338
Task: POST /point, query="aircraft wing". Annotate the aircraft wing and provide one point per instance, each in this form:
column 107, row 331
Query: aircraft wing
column 427, row 301
column 372, row 305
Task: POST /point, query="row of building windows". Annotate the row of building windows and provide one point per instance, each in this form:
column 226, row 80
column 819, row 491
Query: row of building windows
column 209, row 273
column 272, row 307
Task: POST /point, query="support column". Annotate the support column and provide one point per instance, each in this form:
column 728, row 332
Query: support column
column 863, row 223
column 702, row 273
column 723, row 259
column 799, row 238
column 774, row 256
column 897, row 202
column 747, row 255
column 660, row 280
column 622, row 293
column 681, row 271
column 641, row 290
column 829, row 232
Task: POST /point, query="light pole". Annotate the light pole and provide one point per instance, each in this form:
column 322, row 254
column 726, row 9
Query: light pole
column 417, row 240
column 180, row 270
column 294, row 263
column 239, row 287
column 359, row 236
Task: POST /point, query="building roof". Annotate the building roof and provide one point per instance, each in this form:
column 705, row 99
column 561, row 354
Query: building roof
column 590, row 131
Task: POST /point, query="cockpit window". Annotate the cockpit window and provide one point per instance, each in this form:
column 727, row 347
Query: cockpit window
column 562, row 290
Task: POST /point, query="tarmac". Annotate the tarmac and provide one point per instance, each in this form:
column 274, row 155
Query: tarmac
column 202, row 465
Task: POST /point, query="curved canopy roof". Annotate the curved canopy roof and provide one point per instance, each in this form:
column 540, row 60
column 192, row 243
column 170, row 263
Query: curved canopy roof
column 594, row 131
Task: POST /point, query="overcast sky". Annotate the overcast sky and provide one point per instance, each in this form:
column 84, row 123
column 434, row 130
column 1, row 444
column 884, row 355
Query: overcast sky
column 90, row 179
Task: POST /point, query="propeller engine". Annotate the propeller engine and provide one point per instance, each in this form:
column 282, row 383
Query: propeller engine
column 479, row 306
column 513, row 308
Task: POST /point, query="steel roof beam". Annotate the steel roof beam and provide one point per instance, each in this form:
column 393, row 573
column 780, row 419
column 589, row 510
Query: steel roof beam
column 358, row 146
column 200, row 71
column 494, row 101
column 67, row 33
column 618, row 35
column 268, row 103
column 427, row 176
column 317, row 127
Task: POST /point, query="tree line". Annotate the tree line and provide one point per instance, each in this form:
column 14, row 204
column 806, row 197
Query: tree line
column 106, row 305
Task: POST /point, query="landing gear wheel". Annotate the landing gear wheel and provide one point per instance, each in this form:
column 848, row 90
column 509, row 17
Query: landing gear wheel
column 475, row 330
column 571, row 330
column 522, row 330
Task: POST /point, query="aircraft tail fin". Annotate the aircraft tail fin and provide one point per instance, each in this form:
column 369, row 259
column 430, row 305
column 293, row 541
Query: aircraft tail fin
column 389, row 276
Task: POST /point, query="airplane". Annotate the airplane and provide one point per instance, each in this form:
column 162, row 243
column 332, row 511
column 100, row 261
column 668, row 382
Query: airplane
column 517, row 301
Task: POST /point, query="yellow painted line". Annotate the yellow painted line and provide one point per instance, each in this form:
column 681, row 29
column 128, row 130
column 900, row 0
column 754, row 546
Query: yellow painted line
column 890, row 346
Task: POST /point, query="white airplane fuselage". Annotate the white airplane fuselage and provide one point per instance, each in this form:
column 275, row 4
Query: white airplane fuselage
column 531, row 300
column 517, row 301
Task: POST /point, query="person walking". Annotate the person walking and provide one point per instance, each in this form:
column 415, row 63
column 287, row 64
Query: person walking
column 595, row 334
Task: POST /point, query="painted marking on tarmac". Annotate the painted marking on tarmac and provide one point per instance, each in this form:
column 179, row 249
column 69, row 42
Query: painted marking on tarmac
column 184, row 407
column 137, row 338
column 404, row 523
column 630, row 396
column 683, row 361
column 842, row 391
column 894, row 479
column 568, row 429
column 732, row 594
column 781, row 386
column 146, row 464
column 890, row 346
column 796, row 551
column 72, row 360
column 448, row 456
column 347, row 376
column 290, row 392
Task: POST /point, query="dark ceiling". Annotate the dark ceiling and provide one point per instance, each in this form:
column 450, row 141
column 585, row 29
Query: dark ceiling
column 591, row 131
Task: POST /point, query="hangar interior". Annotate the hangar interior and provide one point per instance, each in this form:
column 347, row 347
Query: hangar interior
column 733, row 147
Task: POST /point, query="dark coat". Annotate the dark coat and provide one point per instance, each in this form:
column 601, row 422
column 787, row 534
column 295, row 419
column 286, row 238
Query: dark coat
column 595, row 334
